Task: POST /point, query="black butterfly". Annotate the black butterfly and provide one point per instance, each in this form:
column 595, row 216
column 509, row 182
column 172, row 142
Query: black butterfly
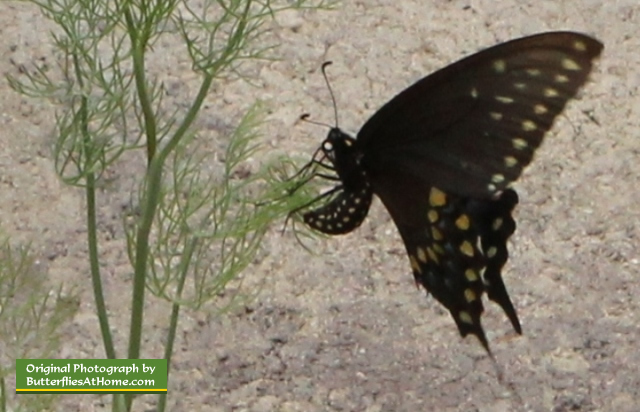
column 441, row 156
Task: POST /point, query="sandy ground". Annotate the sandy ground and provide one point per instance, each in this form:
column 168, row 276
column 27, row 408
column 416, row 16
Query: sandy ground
column 345, row 329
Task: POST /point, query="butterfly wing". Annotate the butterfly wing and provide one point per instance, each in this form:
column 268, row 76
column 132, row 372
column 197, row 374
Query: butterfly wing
column 456, row 246
column 473, row 126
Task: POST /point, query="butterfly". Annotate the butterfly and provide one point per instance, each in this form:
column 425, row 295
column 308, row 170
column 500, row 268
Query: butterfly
column 442, row 156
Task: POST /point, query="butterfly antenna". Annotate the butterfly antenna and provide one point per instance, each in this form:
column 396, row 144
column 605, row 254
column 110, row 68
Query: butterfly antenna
column 333, row 97
column 305, row 118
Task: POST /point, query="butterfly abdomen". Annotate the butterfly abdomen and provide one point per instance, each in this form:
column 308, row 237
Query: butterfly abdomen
column 348, row 209
column 343, row 214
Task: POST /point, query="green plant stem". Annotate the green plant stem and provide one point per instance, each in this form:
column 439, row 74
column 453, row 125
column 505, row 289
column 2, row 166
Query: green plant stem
column 96, row 279
column 154, row 178
column 185, row 263
column 3, row 396
column 92, row 238
column 138, row 54
column 154, row 185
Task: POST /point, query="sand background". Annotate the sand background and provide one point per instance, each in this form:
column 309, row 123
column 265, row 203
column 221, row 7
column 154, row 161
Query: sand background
column 345, row 329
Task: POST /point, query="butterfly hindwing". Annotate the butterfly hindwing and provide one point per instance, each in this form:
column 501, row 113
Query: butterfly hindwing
column 455, row 246
column 495, row 224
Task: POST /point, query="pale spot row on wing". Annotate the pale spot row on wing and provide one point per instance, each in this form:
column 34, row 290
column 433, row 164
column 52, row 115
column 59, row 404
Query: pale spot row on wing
column 529, row 125
column 505, row 99
column 570, row 64
column 499, row 66
column 510, row 161
column 519, row 143
column 540, row 109
column 550, row 92
column 533, row 72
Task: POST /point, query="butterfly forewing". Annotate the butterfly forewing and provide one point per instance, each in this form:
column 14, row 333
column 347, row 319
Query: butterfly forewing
column 471, row 127
column 441, row 155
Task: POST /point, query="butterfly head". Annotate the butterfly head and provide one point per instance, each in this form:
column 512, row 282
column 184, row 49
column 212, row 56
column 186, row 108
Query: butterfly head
column 342, row 151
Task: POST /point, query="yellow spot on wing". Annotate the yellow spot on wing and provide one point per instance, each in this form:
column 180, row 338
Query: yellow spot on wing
column 415, row 265
column 463, row 222
column 469, row 295
column 437, row 197
column 422, row 257
column 466, row 248
column 465, row 317
column 432, row 255
column 436, row 234
column 471, row 275
column 433, row 216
